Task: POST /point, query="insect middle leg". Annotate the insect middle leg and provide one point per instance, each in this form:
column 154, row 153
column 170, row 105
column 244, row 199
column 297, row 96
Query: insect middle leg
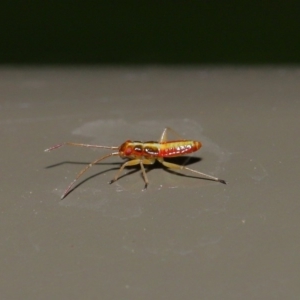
column 179, row 167
column 133, row 163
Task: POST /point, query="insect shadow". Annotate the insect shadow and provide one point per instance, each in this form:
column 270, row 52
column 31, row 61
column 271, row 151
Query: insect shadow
column 180, row 160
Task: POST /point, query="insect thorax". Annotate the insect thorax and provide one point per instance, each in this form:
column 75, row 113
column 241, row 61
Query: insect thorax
column 139, row 149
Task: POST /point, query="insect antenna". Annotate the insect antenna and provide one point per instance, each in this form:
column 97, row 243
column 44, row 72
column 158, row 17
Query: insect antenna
column 79, row 145
column 89, row 165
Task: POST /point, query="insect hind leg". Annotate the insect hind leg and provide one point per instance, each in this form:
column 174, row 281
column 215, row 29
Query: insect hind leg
column 163, row 137
column 179, row 167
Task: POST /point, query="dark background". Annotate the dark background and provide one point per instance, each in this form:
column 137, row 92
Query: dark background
column 150, row 32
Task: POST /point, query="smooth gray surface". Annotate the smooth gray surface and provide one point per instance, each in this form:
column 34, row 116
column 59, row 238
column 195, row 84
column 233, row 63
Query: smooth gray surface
column 183, row 238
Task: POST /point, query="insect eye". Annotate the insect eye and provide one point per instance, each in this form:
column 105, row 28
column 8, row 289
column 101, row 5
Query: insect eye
column 128, row 150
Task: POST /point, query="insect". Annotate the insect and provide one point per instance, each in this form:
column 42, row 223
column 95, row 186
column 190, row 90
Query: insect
column 143, row 153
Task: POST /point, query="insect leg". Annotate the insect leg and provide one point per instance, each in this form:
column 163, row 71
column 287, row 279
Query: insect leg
column 126, row 164
column 146, row 162
column 175, row 166
column 84, row 170
column 133, row 163
column 163, row 137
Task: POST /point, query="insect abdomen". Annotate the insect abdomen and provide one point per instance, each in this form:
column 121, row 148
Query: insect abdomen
column 176, row 148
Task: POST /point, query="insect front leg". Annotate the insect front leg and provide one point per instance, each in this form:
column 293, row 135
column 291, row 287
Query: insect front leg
column 179, row 167
column 126, row 164
column 133, row 163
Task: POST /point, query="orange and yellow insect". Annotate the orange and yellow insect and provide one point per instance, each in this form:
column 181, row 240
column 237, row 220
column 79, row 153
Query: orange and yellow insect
column 143, row 153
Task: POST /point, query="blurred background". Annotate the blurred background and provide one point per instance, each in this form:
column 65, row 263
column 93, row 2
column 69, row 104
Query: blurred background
column 150, row 32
